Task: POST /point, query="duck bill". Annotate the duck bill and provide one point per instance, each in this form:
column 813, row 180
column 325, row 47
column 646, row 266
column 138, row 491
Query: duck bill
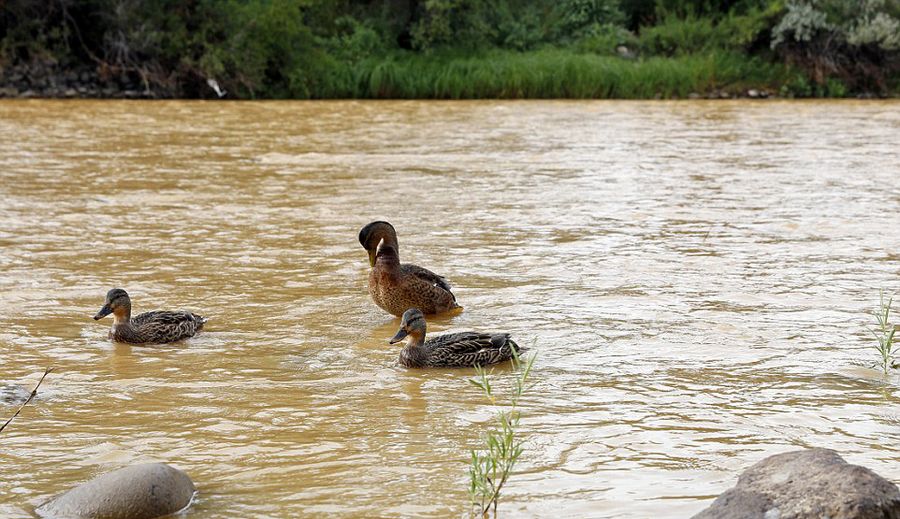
column 372, row 258
column 106, row 310
column 400, row 336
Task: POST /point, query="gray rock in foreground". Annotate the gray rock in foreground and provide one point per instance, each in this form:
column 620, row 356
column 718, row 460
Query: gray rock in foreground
column 136, row 492
column 808, row 484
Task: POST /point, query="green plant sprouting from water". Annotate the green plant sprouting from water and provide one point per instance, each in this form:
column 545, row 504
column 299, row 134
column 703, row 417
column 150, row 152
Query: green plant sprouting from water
column 885, row 333
column 491, row 467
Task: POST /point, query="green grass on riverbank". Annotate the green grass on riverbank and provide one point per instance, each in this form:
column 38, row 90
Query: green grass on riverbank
column 547, row 74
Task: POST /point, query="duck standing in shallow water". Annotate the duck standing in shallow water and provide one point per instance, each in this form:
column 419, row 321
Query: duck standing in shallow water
column 395, row 287
column 151, row 327
column 453, row 350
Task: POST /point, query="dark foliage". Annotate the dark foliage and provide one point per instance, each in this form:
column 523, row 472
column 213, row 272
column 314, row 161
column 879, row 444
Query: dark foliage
column 327, row 48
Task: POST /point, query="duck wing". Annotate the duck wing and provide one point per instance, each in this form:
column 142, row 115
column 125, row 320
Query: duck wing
column 471, row 349
column 427, row 275
column 167, row 326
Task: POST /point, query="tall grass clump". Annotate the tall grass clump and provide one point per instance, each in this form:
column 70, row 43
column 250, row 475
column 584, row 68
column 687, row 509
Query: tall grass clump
column 491, row 467
column 885, row 333
column 556, row 74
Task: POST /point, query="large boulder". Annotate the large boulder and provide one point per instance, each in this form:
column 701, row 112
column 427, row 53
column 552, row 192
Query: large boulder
column 136, row 492
column 807, row 484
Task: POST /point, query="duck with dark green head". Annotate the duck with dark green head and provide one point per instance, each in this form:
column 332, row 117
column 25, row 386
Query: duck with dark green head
column 396, row 286
column 452, row 350
column 157, row 327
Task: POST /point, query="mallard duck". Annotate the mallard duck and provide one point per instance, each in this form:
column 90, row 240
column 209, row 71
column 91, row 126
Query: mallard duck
column 151, row 327
column 396, row 287
column 453, row 350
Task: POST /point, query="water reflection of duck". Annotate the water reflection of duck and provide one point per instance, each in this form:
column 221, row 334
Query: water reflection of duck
column 151, row 327
column 453, row 350
column 395, row 287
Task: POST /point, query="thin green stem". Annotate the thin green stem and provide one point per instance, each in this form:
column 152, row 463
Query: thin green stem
column 491, row 468
column 884, row 334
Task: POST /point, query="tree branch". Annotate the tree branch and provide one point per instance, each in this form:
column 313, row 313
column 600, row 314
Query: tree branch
column 32, row 395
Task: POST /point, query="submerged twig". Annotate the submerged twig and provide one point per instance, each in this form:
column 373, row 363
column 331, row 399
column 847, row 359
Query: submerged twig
column 32, row 395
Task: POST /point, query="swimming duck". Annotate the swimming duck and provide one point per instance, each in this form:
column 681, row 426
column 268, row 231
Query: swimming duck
column 453, row 350
column 396, row 287
column 151, row 327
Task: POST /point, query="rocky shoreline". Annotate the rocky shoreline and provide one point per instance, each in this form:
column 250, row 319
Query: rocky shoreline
column 804, row 484
column 49, row 81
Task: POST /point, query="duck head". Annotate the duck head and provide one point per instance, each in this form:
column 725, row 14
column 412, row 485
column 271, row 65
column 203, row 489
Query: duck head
column 118, row 303
column 412, row 324
column 372, row 234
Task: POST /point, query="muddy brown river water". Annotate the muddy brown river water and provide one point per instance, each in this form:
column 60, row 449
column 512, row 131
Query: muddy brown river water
column 695, row 277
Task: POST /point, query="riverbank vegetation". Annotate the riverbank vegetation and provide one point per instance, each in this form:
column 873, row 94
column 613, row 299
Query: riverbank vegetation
column 448, row 49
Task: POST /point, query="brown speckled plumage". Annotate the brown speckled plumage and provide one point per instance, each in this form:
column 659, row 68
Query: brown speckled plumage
column 396, row 287
column 157, row 327
column 453, row 350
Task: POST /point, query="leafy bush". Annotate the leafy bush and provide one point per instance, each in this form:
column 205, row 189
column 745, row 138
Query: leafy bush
column 875, row 27
column 678, row 35
column 650, row 12
column 854, row 41
column 605, row 39
column 353, row 40
column 33, row 30
column 254, row 48
column 751, row 31
column 802, row 23
column 445, row 22
column 577, row 17
column 510, row 24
